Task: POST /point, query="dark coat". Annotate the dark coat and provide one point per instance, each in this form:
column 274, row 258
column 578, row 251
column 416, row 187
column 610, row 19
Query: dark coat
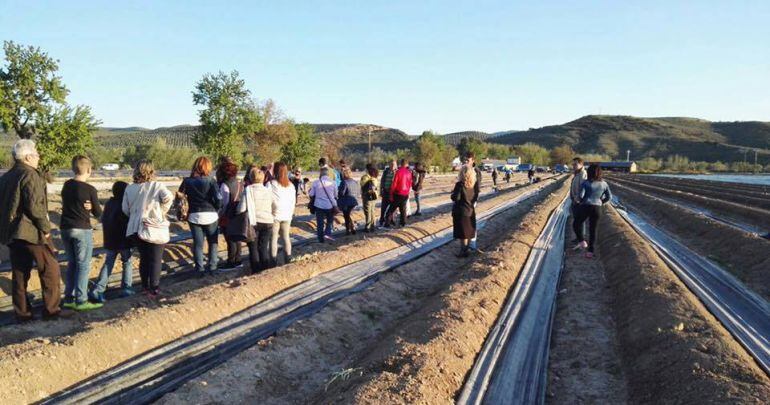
column 114, row 224
column 24, row 202
column 202, row 194
column 463, row 198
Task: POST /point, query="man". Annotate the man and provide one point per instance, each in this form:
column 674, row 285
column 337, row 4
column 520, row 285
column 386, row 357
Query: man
column 494, row 178
column 334, row 174
column 580, row 175
column 26, row 230
column 399, row 192
column 470, row 160
column 385, row 182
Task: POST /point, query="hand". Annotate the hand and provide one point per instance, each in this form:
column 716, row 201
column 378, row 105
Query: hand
column 47, row 236
column 87, row 205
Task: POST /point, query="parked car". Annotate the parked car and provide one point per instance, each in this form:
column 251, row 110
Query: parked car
column 560, row 168
column 525, row 167
column 111, row 166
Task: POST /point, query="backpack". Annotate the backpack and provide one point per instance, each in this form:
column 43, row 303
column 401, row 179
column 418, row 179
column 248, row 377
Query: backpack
column 370, row 191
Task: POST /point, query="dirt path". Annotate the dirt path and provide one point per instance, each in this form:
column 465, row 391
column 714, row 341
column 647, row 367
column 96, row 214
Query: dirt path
column 427, row 357
column 584, row 364
column 91, row 344
column 300, row 362
column 673, row 349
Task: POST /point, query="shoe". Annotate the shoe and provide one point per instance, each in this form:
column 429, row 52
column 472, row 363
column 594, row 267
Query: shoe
column 226, row 266
column 153, row 294
column 97, row 298
column 417, row 214
column 63, row 314
column 127, row 292
column 25, row 319
column 329, row 238
column 69, row 305
column 580, row 245
column 198, row 274
column 589, row 255
column 87, row 306
column 353, row 231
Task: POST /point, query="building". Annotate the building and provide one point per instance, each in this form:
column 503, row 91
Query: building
column 625, row 167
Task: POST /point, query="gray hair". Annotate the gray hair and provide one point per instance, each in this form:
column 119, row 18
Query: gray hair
column 22, row 148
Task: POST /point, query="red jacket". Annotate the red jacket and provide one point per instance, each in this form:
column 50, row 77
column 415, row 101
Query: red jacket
column 402, row 182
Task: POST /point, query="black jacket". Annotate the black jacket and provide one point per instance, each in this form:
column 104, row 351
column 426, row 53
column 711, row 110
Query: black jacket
column 202, row 194
column 463, row 200
column 114, row 224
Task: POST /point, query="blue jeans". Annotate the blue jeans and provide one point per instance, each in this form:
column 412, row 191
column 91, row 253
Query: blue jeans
column 79, row 246
column 211, row 234
column 322, row 215
column 109, row 264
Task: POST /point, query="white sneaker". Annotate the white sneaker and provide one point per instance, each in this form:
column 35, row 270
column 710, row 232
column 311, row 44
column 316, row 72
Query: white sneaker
column 581, row 245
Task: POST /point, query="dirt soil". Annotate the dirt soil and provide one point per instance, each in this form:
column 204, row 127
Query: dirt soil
column 90, row 343
column 584, row 363
column 674, row 351
column 750, row 197
column 426, row 358
column 312, row 356
column 742, row 254
column 741, row 213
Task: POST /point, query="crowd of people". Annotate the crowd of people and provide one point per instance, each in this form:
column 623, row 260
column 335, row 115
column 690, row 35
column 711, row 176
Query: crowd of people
column 256, row 210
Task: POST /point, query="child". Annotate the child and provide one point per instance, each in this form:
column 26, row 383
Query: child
column 114, row 223
column 79, row 202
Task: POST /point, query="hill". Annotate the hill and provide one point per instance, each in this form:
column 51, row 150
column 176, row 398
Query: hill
column 655, row 137
column 454, row 138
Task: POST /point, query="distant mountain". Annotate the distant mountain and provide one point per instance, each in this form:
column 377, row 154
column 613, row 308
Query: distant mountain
column 656, row 137
column 454, row 138
column 355, row 137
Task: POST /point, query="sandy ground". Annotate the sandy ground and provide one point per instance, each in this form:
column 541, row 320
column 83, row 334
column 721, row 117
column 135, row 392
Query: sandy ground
column 673, row 349
column 427, row 357
column 91, row 343
column 742, row 254
column 584, row 364
column 302, row 363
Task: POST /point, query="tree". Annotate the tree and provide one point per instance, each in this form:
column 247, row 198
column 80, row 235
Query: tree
column 533, row 153
column 562, row 154
column 64, row 133
column 303, row 149
column 266, row 143
column 33, row 105
column 650, row 164
column 478, row 147
column 427, row 149
column 229, row 114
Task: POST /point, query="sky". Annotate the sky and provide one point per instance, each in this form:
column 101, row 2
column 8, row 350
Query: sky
column 414, row 65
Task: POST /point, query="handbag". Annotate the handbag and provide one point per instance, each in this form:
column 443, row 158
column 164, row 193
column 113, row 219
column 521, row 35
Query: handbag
column 335, row 210
column 239, row 228
column 311, row 205
column 181, row 205
column 154, row 225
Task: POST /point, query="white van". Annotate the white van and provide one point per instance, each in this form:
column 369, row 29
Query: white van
column 111, row 166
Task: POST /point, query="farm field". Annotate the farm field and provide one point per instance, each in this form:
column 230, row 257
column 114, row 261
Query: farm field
column 410, row 321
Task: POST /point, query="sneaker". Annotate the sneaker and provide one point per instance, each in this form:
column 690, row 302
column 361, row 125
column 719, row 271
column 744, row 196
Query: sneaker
column 329, row 238
column 87, row 306
column 229, row 267
column 589, row 255
column 580, row 245
column 127, row 292
column 69, row 305
column 97, row 298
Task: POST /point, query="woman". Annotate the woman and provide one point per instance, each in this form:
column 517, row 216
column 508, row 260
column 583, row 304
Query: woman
column 257, row 201
column 463, row 211
column 324, row 193
column 370, row 186
column 284, row 201
column 204, row 200
column 349, row 194
column 594, row 193
column 146, row 202
column 231, row 190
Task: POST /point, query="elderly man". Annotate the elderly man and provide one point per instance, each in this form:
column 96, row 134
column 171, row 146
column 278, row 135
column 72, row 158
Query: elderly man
column 25, row 229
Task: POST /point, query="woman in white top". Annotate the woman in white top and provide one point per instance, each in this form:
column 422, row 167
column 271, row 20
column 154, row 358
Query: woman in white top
column 284, row 200
column 324, row 190
column 257, row 202
column 146, row 203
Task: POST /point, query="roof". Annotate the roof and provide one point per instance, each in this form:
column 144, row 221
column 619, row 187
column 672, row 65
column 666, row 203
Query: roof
column 616, row 164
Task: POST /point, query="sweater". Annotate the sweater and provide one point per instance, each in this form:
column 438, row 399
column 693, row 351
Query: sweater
column 324, row 191
column 138, row 197
column 575, row 184
column 74, row 195
column 595, row 193
column 284, row 200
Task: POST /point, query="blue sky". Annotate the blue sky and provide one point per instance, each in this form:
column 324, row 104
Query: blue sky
column 413, row 65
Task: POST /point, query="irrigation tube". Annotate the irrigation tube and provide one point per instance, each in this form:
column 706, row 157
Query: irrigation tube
column 512, row 366
column 149, row 376
column 745, row 314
